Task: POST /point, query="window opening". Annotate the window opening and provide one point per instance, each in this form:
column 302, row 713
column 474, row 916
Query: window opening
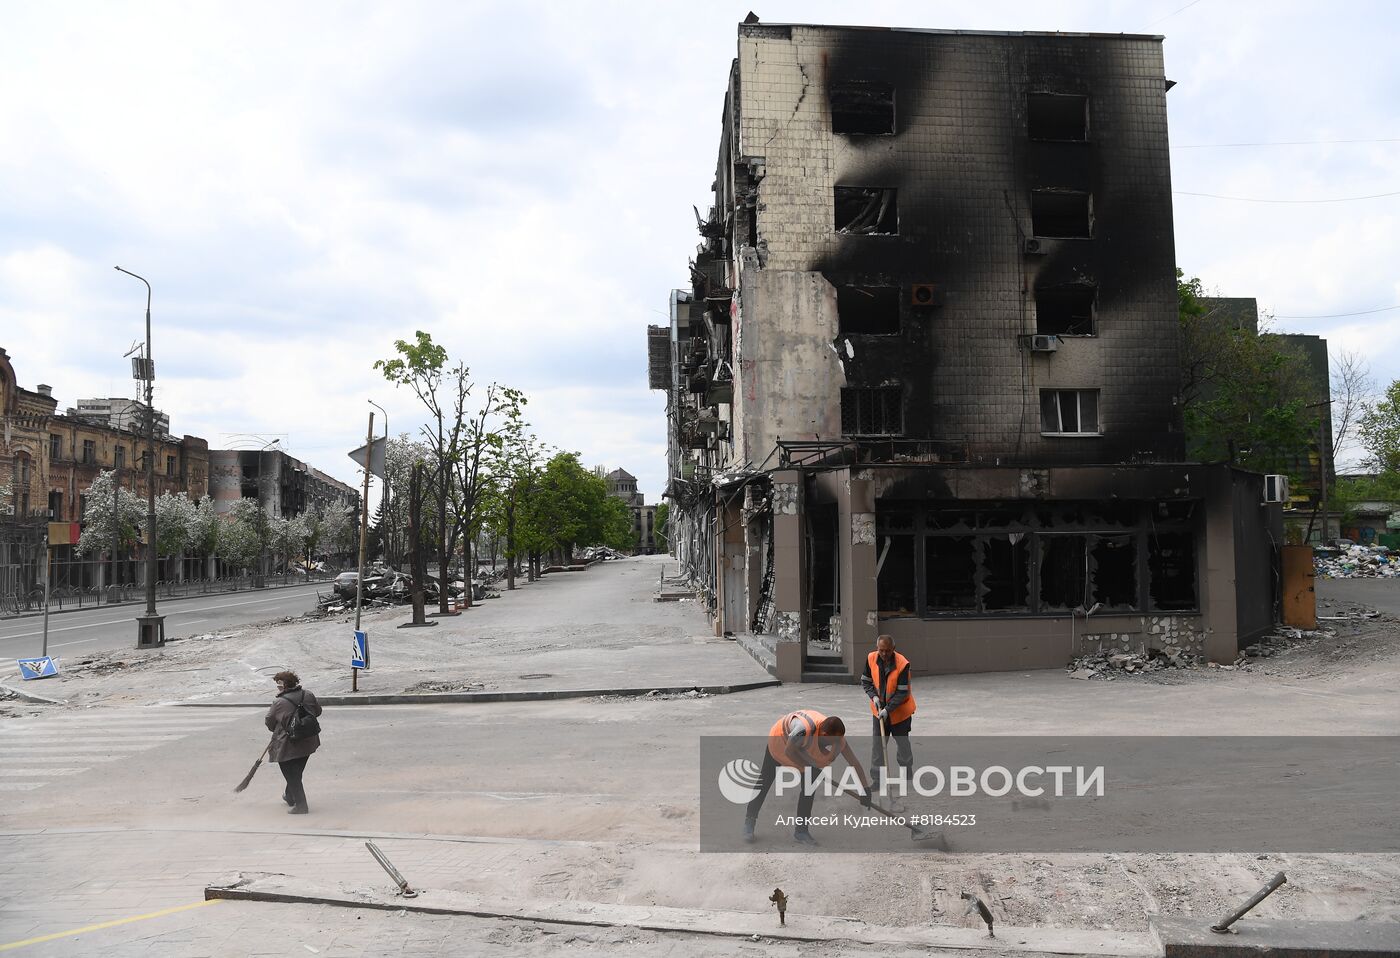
column 863, row 209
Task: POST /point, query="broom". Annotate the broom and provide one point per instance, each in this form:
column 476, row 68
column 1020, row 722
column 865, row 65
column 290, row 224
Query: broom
column 252, row 771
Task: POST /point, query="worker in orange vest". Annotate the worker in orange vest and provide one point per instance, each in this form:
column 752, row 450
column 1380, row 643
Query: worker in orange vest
column 803, row 739
column 886, row 684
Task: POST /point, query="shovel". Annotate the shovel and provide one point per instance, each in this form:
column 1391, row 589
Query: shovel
column 916, row 832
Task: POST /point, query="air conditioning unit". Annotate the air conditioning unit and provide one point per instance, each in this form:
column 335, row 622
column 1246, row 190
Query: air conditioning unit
column 924, row 294
column 1044, row 344
column 1275, row 488
column 1034, row 246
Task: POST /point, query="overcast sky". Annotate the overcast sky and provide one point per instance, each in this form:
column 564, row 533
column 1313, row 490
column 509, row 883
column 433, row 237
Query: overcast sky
column 305, row 183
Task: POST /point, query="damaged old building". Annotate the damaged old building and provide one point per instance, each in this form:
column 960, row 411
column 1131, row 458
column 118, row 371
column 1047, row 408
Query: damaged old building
column 926, row 379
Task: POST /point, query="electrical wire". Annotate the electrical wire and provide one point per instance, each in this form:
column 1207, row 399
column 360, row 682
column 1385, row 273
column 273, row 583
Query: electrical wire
column 1251, row 199
column 1362, row 312
column 1218, row 146
column 1174, row 13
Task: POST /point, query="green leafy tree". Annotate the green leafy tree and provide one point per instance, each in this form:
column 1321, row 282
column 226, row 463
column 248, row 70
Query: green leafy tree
column 660, row 530
column 443, row 389
column 474, row 482
column 339, row 530
column 1247, row 398
column 1379, row 427
column 204, row 528
column 514, row 463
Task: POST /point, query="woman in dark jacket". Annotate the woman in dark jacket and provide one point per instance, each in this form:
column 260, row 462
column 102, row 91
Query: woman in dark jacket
column 291, row 755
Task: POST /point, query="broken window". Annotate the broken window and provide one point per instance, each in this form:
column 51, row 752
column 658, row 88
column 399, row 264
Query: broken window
column 866, row 209
column 55, row 447
column 89, row 451
column 1065, row 311
column 950, row 568
column 1069, row 412
column 55, row 507
column 119, row 457
column 862, row 107
column 868, row 310
column 872, row 412
column 1113, row 572
column 895, row 575
column 1057, row 116
column 1171, row 566
column 170, row 465
column 1062, row 571
column 1060, row 213
column 1006, row 563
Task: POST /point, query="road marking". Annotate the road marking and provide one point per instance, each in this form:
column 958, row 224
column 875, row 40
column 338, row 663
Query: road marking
column 108, row 924
column 20, row 786
column 31, row 772
column 132, row 618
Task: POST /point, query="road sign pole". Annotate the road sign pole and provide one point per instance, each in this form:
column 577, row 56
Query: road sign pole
column 48, row 563
column 364, row 539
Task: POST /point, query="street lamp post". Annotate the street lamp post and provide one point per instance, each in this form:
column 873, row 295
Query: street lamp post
column 388, row 516
column 150, row 628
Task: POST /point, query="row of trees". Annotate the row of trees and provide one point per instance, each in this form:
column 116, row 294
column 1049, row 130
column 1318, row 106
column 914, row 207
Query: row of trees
column 476, row 467
column 115, row 519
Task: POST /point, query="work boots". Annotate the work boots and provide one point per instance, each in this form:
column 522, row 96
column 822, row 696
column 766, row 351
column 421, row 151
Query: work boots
column 299, row 808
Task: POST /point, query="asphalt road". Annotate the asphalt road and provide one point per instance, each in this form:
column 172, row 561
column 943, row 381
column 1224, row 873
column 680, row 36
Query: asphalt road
column 97, row 630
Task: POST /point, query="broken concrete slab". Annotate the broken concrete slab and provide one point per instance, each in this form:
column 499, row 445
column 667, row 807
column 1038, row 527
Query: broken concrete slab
column 728, row 924
column 1258, row 938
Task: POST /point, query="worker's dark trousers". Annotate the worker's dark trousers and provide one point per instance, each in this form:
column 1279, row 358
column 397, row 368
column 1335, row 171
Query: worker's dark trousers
column 291, row 771
column 765, row 784
column 903, row 751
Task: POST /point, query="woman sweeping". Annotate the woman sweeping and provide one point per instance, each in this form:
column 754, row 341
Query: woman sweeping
column 295, row 735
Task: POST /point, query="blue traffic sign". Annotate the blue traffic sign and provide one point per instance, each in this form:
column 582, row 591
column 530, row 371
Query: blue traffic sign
column 45, row 668
column 359, row 657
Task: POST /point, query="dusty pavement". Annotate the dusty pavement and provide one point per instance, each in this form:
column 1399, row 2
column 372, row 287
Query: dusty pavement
column 114, row 812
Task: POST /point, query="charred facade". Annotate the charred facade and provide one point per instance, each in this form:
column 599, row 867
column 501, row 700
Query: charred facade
column 926, row 378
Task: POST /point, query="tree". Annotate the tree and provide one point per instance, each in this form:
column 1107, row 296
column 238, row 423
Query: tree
column 204, row 528
column 1379, row 428
column 422, row 365
column 571, row 507
column 175, row 523
column 1351, row 389
column 514, row 463
column 660, row 531
column 108, row 524
column 1247, row 397
column 473, row 481
column 241, row 534
column 339, row 530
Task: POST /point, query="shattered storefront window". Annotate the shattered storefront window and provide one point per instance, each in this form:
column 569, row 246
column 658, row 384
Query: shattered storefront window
column 895, row 578
column 1171, row 562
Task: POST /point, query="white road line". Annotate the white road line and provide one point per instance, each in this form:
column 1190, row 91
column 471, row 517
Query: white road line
column 35, row 759
column 20, row 751
column 31, row 772
column 132, row 618
column 21, row 786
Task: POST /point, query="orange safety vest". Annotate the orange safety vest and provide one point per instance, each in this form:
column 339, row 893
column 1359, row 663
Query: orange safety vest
column 906, row 708
column 778, row 739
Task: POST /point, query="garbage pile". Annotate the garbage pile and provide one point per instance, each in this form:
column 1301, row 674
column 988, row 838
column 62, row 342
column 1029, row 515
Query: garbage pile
column 602, row 554
column 1356, row 562
column 1110, row 665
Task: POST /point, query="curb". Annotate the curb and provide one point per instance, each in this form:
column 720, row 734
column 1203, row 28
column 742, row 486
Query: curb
column 458, row 698
column 31, row 697
column 701, row 922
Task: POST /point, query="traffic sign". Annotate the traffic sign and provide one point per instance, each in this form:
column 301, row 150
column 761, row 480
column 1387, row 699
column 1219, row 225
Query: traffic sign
column 359, row 658
column 44, row 668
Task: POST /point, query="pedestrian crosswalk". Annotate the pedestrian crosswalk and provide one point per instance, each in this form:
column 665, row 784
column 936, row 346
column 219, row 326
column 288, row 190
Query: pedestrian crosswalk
column 49, row 748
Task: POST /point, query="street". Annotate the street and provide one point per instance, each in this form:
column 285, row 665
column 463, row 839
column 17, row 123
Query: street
column 104, row 628
column 125, row 813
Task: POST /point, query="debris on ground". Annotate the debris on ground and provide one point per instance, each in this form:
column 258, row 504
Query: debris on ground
column 655, row 695
column 1356, row 562
column 1109, row 665
column 602, row 554
column 423, row 687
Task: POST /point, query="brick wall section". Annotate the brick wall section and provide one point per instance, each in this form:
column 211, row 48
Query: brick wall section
column 964, row 166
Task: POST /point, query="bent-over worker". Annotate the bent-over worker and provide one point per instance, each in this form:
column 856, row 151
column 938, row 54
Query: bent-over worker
column 801, row 740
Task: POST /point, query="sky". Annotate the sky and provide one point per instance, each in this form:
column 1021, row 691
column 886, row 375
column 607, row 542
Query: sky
column 304, row 184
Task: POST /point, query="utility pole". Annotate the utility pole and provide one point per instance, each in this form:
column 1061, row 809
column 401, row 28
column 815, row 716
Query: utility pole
column 364, row 538
column 150, row 628
column 388, row 515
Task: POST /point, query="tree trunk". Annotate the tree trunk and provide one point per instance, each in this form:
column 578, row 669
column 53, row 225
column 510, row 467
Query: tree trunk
column 468, row 569
column 443, row 607
column 415, row 520
column 510, row 548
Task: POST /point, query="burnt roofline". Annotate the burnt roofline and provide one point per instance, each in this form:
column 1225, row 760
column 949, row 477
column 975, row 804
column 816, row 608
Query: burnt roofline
column 745, row 28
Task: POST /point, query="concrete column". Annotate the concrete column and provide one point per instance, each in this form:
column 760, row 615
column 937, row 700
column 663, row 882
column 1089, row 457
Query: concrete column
column 859, row 552
column 1216, row 571
column 790, row 587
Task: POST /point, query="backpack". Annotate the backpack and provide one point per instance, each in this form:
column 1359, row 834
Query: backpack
column 303, row 724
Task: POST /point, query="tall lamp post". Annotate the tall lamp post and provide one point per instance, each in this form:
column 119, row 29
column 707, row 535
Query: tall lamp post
column 150, row 628
column 388, row 516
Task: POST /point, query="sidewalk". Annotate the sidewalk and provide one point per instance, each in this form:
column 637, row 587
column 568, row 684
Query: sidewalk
column 593, row 632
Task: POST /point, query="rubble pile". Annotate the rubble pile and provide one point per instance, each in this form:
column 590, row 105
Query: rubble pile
column 1109, row 665
column 1356, row 562
column 602, row 554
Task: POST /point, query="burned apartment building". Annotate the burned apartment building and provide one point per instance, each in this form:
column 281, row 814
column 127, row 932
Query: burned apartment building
column 926, row 379
column 284, row 486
